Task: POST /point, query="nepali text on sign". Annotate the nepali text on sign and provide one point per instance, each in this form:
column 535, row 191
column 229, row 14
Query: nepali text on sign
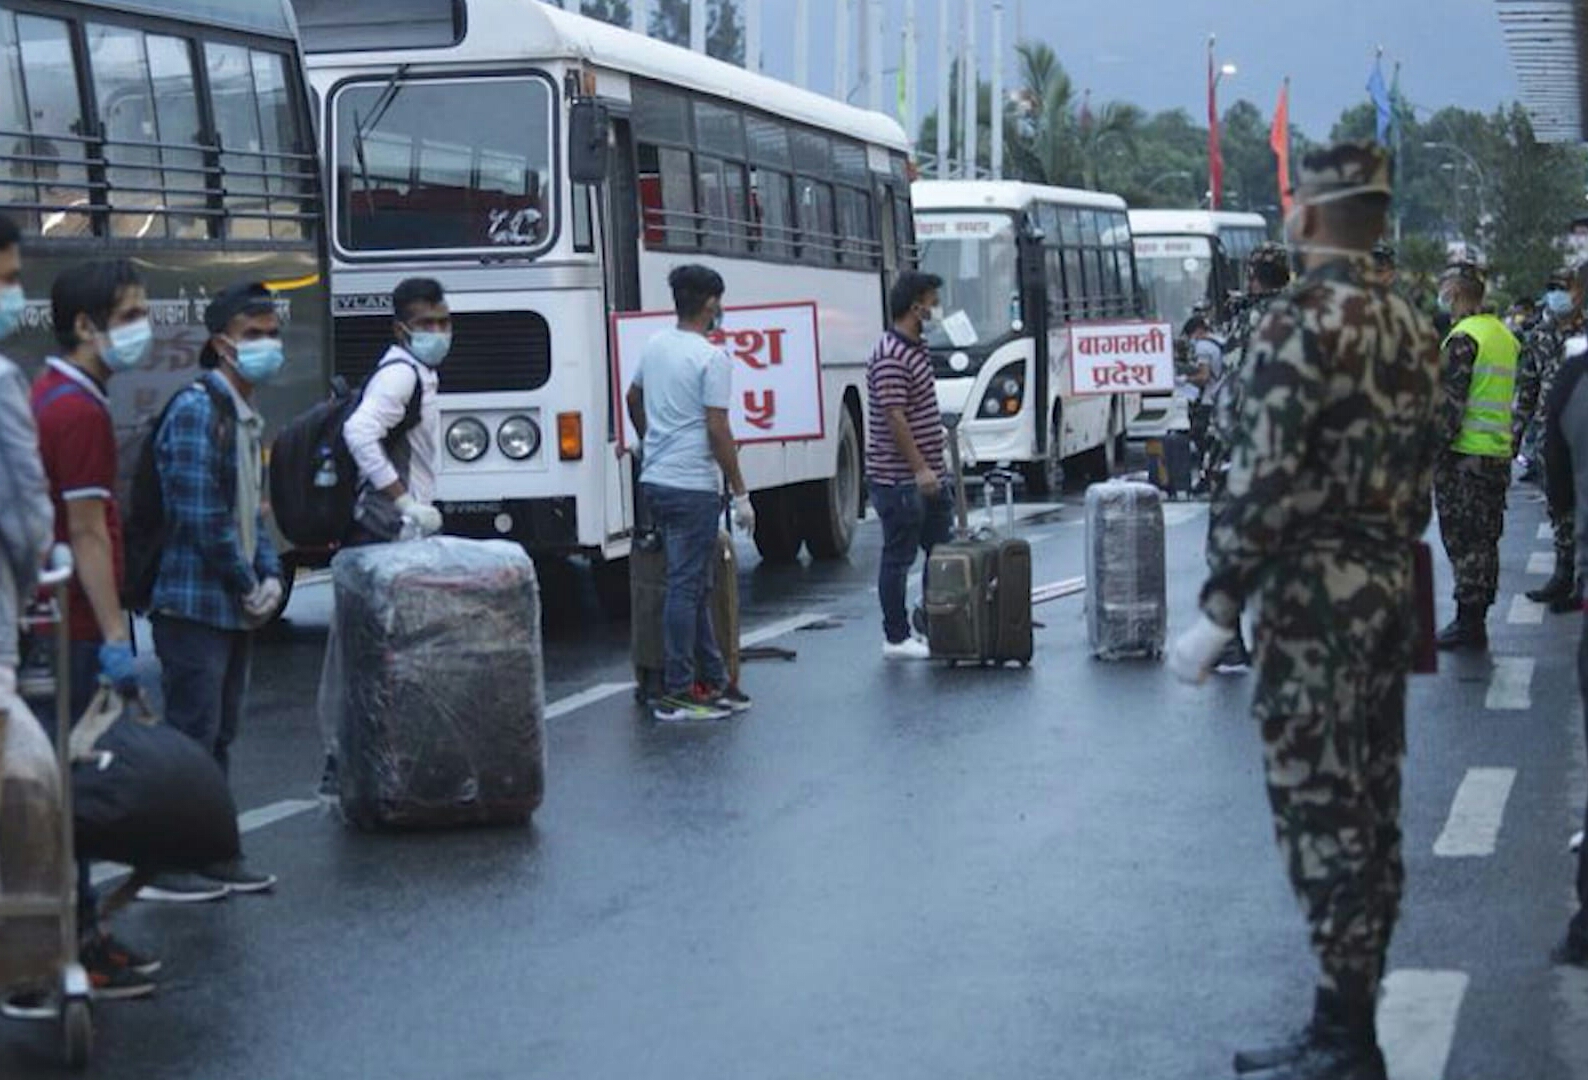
column 1121, row 358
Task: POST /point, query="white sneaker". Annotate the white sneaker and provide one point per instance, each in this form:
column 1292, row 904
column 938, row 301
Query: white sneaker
column 1576, row 843
column 908, row 649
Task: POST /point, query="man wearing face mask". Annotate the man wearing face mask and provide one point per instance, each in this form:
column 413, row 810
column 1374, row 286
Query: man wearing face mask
column 220, row 576
column 394, row 434
column 1342, row 377
column 1542, row 357
column 1474, row 471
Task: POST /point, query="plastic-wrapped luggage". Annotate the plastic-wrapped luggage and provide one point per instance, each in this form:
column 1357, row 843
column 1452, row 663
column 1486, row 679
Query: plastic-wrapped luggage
column 32, row 848
column 434, row 685
column 1126, row 609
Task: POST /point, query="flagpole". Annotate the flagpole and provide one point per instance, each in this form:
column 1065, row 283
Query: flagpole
column 997, row 118
column 802, row 44
column 752, row 35
column 697, row 25
column 844, row 14
column 910, row 62
column 639, row 20
column 972, row 95
column 945, row 101
column 1395, row 118
column 1215, row 166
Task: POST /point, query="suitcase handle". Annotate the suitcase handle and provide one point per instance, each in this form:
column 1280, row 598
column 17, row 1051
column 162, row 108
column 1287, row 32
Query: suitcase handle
column 961, row 511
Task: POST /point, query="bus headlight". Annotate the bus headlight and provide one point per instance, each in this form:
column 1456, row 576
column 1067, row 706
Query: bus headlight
column 518, row 437
column 467, row 439
column 1006, row 393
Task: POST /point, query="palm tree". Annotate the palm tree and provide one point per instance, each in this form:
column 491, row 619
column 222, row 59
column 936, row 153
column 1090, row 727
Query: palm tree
column 1052, row 141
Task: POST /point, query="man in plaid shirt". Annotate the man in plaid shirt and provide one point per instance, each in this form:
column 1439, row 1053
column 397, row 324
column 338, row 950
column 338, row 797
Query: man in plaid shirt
column 220, row 576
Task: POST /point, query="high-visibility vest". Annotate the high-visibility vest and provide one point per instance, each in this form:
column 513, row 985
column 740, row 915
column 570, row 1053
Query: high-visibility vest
column 1486, row 425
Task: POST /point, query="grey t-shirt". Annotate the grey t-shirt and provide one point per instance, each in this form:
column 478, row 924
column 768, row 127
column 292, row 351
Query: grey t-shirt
column 682, row 375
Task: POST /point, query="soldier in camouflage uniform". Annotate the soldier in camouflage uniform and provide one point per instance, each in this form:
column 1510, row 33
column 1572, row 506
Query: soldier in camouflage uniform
column 1474, row 469
column 1543, row 353
column 1331, row 465
column 1267, row 275
column 1384, row 269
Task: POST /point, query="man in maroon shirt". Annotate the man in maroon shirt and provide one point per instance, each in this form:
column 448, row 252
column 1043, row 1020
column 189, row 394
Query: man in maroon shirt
column 904, row 455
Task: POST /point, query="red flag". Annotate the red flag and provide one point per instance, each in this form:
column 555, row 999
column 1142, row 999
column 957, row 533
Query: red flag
column 1215, row 158
column 1279, row 139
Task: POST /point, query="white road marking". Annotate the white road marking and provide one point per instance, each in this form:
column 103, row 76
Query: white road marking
column 588, row 696
column 247, row 822
column 1417, row 1021
column 1056, row 590
column 1511, row 684
column 1546, row 531
column 1473, row 828
column 1541, row 563
column 1525, row 612
column 1181, row 513
column 778, row 629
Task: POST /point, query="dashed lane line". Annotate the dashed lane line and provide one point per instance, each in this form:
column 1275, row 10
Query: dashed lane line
column 1546, row 531
column 1473, row 828
column 1525, row 612
column 1510, row 684
column 1417, row 1021
column 1541, row 563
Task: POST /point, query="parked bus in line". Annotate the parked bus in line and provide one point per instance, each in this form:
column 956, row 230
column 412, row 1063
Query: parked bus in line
column 178, row 134
column 1188, row 259
column 452, row 129
column 1020, row 263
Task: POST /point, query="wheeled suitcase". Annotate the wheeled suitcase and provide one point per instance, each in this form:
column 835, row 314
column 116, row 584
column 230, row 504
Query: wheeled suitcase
column 1126, row 609
column 978, row 588
column 438, row 700
column 648, row 594
column 1173, row 463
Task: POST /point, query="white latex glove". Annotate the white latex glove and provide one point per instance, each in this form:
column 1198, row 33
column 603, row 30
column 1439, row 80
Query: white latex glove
column 743, row 513
column 262, row 602
column 60, row 557
column 426, row 518
column 1192, row 655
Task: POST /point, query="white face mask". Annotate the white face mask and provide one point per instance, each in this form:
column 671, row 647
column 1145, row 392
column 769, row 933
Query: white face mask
column 1302, row 248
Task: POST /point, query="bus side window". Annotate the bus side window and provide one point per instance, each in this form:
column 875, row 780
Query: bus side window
column 38, row 60
column 855, row 227
column 815, row 203
column 724, row 206
column 667, row 197
column 770, row 192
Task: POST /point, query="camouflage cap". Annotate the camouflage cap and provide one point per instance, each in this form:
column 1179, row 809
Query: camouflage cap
column 1342, row 170
column 1466, row 272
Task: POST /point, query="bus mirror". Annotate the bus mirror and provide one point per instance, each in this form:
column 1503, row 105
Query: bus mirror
column 589, row 136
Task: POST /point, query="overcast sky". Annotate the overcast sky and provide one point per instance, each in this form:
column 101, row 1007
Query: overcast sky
column 1153, row 52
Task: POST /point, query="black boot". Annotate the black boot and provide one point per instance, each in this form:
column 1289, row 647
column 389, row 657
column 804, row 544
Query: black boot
column 1568, row 601
column 1560, row 586
column 1341, row 1043
column 1467, row 631
column 1234, row 659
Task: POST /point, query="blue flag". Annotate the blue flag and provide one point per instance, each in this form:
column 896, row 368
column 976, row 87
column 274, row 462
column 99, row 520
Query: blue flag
column 1381, row 100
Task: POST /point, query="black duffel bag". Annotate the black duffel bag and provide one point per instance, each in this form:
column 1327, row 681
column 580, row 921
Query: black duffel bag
column 145, row 794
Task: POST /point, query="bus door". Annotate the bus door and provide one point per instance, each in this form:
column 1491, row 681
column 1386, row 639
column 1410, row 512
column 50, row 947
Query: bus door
column 620, row 248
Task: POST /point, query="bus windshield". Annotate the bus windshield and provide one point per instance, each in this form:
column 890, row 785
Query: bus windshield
column 428, row 165
column 975, row 255
column 1176, row 273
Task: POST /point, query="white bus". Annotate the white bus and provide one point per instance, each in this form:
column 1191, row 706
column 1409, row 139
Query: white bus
column 1188, row 259
column 456, row 134
column 1020, row 262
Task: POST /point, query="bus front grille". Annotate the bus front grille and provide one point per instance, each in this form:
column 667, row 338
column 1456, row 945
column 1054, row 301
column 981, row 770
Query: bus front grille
column 491, row 350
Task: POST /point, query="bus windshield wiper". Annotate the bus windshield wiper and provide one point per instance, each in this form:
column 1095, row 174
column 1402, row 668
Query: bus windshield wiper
column 361, row 129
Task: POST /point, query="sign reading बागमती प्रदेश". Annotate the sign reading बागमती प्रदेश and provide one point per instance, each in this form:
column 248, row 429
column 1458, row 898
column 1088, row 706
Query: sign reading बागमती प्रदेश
column 1121, row 357
column 777, row 369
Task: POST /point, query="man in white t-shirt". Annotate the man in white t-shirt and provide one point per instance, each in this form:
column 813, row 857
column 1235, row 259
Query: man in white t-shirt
column 679, row 406
column 394, row 435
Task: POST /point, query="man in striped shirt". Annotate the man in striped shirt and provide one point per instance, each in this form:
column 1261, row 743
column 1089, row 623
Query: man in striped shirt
column 904, row 455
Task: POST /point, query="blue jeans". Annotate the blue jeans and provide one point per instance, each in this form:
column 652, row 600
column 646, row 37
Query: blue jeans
column 204, row 673
column 688, row 522
column 910, row 523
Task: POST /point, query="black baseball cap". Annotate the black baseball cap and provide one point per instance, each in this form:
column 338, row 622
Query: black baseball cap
column 243, row 298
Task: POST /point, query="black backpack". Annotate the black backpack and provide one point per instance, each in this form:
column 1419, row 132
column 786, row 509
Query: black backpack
column 144, row 532
column 313, row 479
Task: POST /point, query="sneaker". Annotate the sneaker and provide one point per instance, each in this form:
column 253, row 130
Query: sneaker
column 122, row 955
column 729, row 697
column 1576, row 843
column 182, row 889
column 28, row 1005
column 1234, row 659
column 237, row 878
column 108, row 980
column 687, row 708
column 908, row 649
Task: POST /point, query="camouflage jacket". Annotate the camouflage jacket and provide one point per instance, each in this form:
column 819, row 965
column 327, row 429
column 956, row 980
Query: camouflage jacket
column 1543, row 351
column 1332, row 449
column 1237, row 335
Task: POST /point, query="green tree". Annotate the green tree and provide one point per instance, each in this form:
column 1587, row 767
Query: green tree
column 724, row 33
column 616, row 12
column 1537, row 188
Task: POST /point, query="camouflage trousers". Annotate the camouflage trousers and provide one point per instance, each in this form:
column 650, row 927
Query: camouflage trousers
column 1333, row 647
column 1469, row 493
column 1564, row 524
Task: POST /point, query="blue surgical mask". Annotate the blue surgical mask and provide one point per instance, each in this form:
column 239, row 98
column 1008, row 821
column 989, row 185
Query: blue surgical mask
column 125, row 347
column 12, row 305
column 1558, row 301
column 429, row 347
column 259, row 360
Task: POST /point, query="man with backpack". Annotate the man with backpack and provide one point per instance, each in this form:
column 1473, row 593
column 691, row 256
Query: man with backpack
column 219, row 575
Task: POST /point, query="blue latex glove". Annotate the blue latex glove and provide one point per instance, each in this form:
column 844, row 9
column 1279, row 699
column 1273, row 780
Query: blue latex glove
column 117, row 666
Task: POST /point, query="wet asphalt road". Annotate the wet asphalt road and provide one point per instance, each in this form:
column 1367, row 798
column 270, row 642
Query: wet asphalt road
column 880, row 872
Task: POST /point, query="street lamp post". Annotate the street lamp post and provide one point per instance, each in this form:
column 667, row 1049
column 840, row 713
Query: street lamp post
column 1216, row 74
column 1477, row 172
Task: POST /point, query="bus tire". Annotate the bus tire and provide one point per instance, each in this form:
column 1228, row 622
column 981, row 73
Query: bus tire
column 777, row 535
column 830, row 509
column 1046, row 477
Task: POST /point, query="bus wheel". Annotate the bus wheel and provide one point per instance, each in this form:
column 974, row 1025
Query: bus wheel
column 830, row 509
column 777, row 535
column 1046, row 477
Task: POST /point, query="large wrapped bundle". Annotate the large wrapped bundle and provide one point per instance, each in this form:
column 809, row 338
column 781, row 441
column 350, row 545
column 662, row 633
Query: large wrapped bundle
column 32, row 846
column 1126, row 610
column 434, row 686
